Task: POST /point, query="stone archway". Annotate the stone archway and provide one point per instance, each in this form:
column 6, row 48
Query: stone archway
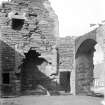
column 84, row 66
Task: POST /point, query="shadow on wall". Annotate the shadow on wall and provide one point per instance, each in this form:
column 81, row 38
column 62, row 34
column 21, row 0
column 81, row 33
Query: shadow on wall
column 32, row 78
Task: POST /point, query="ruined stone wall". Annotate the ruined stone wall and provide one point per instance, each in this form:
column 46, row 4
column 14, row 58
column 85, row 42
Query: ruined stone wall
column 84, row 74
column 26, row 24
column 66, row 59
column 100, row 35
column 84, row 63
column 66, row 49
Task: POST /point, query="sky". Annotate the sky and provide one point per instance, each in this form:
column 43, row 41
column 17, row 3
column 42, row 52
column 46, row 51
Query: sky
column 75, row 17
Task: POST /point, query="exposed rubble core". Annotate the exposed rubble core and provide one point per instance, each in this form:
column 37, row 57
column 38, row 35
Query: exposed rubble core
column 25, row 25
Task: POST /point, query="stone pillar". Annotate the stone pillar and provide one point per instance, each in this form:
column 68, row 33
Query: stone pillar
column 0, row 68
column 73, row 78
column 100, row 36
column 84, row 74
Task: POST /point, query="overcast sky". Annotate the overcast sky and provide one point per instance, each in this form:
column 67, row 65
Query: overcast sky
column 76, row 15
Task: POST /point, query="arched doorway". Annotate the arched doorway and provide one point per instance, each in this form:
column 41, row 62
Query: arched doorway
column 84, row 67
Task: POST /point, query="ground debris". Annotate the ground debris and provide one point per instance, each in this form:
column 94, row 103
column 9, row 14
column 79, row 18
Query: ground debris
column 10, row 102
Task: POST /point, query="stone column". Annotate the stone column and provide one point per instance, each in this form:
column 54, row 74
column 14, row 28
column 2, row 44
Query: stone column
column 100, row 36
column 0, row 66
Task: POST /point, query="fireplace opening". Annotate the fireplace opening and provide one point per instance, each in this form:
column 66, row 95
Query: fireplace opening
column 17, row 24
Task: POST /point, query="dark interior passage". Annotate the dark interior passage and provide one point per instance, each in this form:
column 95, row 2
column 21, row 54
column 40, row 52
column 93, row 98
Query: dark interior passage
column 5, row 78
column 65, row 81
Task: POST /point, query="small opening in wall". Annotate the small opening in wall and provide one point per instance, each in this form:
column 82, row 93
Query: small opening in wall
column 6, row 78
column 16, row 13
column 17, row 24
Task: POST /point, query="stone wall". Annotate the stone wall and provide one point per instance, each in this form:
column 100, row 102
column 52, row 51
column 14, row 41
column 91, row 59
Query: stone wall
column 84, row 74
column 101, row 41
column 26, row 24
column 84, row 63
column 66, row 49
column 66, row 55
column 32, row 24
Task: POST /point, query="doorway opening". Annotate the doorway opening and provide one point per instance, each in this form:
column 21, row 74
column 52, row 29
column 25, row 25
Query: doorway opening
column 6, row 85
column 65, row 81
column 85, row 67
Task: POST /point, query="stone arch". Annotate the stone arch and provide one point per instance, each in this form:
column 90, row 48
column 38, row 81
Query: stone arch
column 86, row 46
column 91, row 35
column 84, row 64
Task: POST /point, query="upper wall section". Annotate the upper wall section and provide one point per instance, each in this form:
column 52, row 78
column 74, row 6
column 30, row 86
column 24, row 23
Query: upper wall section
column 66, row 48
column 25, row 25
column 28, row 23
column 100, row 33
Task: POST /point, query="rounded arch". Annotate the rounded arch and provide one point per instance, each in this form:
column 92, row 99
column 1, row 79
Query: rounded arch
column 85, row 66
column 87, row 46
column 78, row 42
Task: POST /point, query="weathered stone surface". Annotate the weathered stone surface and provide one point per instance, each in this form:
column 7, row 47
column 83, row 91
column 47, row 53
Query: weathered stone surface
column 26, row 24
column 84, row 74
column 66, row 49
column 39, row 31
column 101, row 41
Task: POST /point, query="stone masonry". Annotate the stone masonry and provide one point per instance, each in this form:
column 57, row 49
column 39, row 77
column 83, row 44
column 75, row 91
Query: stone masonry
column 101, row 41
column 66, row 48
column 33, row 25
column 84, row 63
column 66, row 55
column 25, row 25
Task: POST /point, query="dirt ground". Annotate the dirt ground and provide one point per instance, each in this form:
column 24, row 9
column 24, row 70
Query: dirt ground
column 52, row 100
